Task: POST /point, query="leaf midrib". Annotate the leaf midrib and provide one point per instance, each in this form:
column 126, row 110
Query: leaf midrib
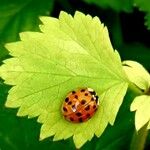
column 74, row 73
column 67, row 75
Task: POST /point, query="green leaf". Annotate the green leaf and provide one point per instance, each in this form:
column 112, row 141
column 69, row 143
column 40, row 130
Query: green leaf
column 141, row 105
column 17, row 16
column 141, row 78
column 147, row 22
column 137, row 74
column 117, row 5
column 144, row 6
column 70, row 53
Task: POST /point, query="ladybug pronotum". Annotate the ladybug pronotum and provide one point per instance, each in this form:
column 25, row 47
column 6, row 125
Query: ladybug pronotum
column 80, row 105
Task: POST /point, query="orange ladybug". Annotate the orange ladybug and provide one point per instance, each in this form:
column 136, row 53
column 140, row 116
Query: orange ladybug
column 80, row 105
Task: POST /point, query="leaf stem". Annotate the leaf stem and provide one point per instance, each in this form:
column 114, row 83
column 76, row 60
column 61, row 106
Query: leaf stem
column 139, row 138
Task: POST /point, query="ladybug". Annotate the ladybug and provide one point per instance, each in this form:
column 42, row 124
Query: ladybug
column 80, row 105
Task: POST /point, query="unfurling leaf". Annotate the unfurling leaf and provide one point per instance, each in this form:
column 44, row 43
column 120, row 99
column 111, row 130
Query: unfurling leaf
column 137, row 74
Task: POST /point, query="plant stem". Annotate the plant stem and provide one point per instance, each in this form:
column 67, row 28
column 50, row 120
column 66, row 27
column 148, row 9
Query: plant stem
column 139, row 138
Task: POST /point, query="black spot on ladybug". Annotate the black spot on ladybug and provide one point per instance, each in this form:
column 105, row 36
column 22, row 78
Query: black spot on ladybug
column 87, row 107
column 73, row 92
column 76, row 96
column 86, row 94
column 71, row 119
column 83, row 102
column 87, row 115
column 65, row 109
column 94, row 106
column 78, row 114
column 96, row 99
column 80, row 120
column 70, row 102
column 83, row 90
column 67, row 99
column 92, row 99
column 93, row 92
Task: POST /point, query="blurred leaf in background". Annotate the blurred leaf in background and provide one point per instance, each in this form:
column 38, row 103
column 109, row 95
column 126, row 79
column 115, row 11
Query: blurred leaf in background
column 117, row 5
column 136, row 51
column 17, row 16
column 144, row 5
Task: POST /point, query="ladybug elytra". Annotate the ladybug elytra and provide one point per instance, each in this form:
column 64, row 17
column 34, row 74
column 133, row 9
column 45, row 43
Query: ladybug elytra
column 80, row 105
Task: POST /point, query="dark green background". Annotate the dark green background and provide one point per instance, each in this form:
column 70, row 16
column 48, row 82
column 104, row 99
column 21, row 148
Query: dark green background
column 128, row 35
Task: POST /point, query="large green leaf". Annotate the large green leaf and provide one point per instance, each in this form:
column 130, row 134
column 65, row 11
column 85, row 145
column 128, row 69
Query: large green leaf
column 70, row 53
column 19, row 15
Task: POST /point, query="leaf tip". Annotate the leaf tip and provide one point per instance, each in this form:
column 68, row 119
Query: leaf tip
column 8, row 103
column 78, row 13
column 7, row 46
column 41, row 138
column 63, row 14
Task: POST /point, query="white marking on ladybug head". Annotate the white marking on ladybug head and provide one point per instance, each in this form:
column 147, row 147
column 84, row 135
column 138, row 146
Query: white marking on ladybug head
column 90, row 89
